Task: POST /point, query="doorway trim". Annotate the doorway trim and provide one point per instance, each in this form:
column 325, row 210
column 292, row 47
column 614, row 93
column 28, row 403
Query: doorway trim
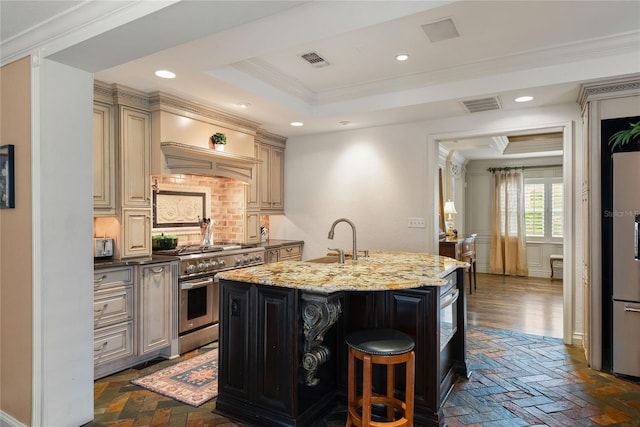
column 569, row 336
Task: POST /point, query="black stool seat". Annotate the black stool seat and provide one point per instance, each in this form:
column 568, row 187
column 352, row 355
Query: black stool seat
column 380, row 342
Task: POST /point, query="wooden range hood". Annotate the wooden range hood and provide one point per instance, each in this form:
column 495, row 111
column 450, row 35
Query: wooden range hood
column 188, row 159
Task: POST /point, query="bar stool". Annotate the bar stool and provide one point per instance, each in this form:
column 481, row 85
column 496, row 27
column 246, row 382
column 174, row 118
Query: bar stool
column 384, row 347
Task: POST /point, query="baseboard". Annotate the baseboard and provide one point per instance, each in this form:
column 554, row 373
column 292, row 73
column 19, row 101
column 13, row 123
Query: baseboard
column 577, row 339
column 7, row 420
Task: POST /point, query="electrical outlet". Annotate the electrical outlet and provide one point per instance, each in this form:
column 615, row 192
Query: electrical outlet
column 416, row 222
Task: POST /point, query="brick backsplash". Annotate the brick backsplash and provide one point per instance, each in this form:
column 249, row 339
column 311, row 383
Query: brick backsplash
column 227, row 202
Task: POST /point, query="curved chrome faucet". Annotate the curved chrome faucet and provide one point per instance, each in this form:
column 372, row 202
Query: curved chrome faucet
column 353, row 231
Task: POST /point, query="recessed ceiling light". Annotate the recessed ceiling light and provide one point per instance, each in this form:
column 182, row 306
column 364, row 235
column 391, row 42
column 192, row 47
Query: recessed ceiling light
column 165, row 74
column 297, row 124
column 243, row 105
column 524, row 99
column 402, row 57
column 345, row 122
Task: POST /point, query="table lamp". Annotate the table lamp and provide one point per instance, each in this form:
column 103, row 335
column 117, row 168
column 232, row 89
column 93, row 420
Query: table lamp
column 449, row 210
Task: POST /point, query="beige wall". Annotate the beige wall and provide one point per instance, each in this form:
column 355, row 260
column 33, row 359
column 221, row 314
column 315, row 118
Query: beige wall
column 16, row 247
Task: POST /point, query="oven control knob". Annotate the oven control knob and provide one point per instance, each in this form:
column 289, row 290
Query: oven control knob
column 238, row 261
column 214, row 264
column 191, row 268
column 207, row 266
column 201, row 266
column 221, row 263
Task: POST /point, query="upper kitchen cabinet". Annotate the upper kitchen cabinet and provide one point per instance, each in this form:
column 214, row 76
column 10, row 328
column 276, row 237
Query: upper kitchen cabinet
column 104, row 160
column 271, row 173
column 135, row 158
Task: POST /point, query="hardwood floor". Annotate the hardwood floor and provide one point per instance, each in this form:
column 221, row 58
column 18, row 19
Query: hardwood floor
column 524, row 304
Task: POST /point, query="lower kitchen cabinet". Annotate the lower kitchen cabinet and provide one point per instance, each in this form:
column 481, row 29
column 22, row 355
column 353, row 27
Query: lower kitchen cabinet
column 260, row 348
column 135, row 315
column 284, row 252
column 155, row 304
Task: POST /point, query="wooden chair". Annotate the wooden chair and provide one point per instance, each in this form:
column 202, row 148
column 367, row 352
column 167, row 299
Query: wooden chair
column 383, row 347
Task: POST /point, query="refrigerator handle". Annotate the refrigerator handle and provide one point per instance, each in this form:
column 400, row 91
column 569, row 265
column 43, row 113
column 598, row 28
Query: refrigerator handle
column 636, row 243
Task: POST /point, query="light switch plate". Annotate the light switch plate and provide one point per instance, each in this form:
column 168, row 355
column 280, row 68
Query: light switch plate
column 416, row 222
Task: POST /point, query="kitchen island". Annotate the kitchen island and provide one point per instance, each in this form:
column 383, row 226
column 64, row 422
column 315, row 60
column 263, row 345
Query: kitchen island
column 282, row 357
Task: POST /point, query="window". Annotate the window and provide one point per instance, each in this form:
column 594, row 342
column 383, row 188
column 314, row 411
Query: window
column 543, row 207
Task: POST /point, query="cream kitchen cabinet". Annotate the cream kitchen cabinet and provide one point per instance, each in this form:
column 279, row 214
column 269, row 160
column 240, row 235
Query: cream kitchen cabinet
column 136, row 233
column 155, row 307
column 135, row 185
column 113, row 313
column 135, row 158
column 104, row 160
column 271, row 176
column 284, row 252
column 135, row 311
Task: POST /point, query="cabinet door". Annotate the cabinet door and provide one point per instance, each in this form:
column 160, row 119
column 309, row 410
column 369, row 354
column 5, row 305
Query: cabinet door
column 276, row 179
column 253, row 199
column 252, row 227
column 104, row 158
column 416, row 312
column 235, row 377
column 155, row 307
column 275, row 313
column 136, row 233
column 135, row 158
column 264, row 169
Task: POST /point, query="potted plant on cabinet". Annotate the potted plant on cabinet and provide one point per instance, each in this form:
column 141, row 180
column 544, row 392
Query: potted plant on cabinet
column 219, row 140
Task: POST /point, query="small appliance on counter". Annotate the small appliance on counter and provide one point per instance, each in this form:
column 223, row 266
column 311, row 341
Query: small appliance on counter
column 102, row 247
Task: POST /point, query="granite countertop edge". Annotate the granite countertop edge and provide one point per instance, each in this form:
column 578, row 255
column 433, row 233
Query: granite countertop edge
column 383, row 270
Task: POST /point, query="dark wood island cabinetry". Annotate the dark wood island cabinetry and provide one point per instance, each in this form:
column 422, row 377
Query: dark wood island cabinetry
column 282, row 357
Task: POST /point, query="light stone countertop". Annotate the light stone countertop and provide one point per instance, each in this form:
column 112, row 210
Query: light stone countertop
column 382, row 270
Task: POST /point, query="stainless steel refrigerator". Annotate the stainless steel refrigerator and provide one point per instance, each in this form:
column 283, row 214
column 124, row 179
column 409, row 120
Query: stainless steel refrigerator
column 626, row 263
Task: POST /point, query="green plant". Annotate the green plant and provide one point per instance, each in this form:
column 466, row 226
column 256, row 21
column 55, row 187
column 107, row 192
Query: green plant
column 219, row 138
column 623, row 137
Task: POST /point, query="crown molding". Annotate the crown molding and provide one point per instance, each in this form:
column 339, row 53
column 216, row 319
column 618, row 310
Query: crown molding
column 161, row 101
column 609, row 88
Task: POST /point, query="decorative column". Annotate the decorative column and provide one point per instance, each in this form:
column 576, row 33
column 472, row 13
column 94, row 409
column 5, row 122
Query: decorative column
column 319, row 313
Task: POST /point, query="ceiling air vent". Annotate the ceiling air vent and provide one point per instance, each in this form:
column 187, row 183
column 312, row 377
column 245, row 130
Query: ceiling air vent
column 443, row 29
column 315, row 59
column 482, row 104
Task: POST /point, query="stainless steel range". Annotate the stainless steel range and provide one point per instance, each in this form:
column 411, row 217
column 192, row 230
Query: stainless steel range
column 199, row 288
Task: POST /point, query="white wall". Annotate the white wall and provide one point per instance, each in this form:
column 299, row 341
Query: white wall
column 378, row 177
column 63, row 257
column 374, row 177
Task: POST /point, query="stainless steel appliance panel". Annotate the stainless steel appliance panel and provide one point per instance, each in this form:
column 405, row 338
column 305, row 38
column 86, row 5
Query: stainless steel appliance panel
column 626, row 265
column 626, row 348
column 626, row 205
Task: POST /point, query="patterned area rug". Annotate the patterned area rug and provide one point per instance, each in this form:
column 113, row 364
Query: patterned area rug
column 193, row 381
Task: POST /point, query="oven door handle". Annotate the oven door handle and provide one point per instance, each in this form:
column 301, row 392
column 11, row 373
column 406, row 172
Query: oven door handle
column 449, row 298
column 193, row 285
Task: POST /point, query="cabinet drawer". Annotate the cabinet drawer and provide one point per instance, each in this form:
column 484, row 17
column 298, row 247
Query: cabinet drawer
column 291, row 252
column 112, row 276
column 112, row 305
column 112, row 342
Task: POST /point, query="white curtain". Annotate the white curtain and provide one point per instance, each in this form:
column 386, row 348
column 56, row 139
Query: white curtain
column 508, row 254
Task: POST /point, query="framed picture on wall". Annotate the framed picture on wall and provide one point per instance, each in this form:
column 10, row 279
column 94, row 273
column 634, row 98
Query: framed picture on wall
column 7, row 173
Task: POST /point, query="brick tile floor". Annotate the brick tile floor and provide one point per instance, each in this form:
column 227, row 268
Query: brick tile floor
column 517, row 380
